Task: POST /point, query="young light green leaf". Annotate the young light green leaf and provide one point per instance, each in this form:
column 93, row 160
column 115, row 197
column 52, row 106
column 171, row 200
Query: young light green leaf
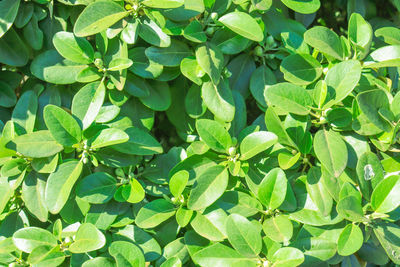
column 87, row 238
column 38, row 144
column 289, row 97
column 243, row 24
column 278, row 228
column 256, row 143
column 350, row 240
column 341, row 79
column 211, row 60
column 154, row 213
column 209, row 186
column 243, row 235
column 87, row 103
column 62, row 126
column 303, row 7
column 360, row 34
column 29, row 238
column 331, row 151
column 97, row 17
column 324, row 40
column 221, row 255
column 126, row 254
column 386, row 195
column 76, row 49
column 272, row 190
column 60, row 183
column 33, row 194
column 108, row 137
column 178, row 182
column 219, row 99
column 214, row 135
column 163, row 3
column 288, row 257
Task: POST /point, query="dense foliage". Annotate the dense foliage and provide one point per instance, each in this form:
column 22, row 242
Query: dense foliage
column 199, row 133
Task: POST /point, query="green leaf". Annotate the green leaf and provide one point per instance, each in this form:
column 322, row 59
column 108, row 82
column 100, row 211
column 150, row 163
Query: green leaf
column 178, row 182
column 38, row 144
column 386, row 195
column 53, row 68
column 108, row 137
column 134, row 192
column 140, row 143
column 97, row 188
column 303, row 7
column 278, row 228
column 318, row 193
column 170, row 56
column 159, row 98
column 13, row 50
column 219, row 100
column 117, row 64
column 194, row 32
column 371, row 103
column 209, row 186
column 243, row 235
column 388, row 234
column 99, row 261
column 243, row 24
column 97, row 17
column 289, row 97
column 325, row 41
column 87, row 103
column 387, row 56
column 301, row 69
column 8, row 13
column 341, row 79
column 211, row 60
column 62, row 126
column 272, row 190
column 222, row 256
column 350, row 209
column 126, row 254
column 369, row 173
column 360, row 34
column 214, row 135
column 210, row 224
column 331, row 151
column 60, row 183
column 46, row 255
column 153, row 34
column 87, row 238
column 154, row 213
column 390, row 35
column 256, row 143
column 288, row 257
column 6, row 192
column 29, row 238
column 7, row 95
column 33, row 195
column 350, row 240
column 142, row 65
column 24, row 113
column 163, row 3
column 76, row 49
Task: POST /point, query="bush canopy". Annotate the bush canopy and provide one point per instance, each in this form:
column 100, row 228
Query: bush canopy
column 213, row 133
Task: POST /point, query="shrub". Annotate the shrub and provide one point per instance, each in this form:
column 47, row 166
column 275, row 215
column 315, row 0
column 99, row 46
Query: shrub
column 199, row 133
